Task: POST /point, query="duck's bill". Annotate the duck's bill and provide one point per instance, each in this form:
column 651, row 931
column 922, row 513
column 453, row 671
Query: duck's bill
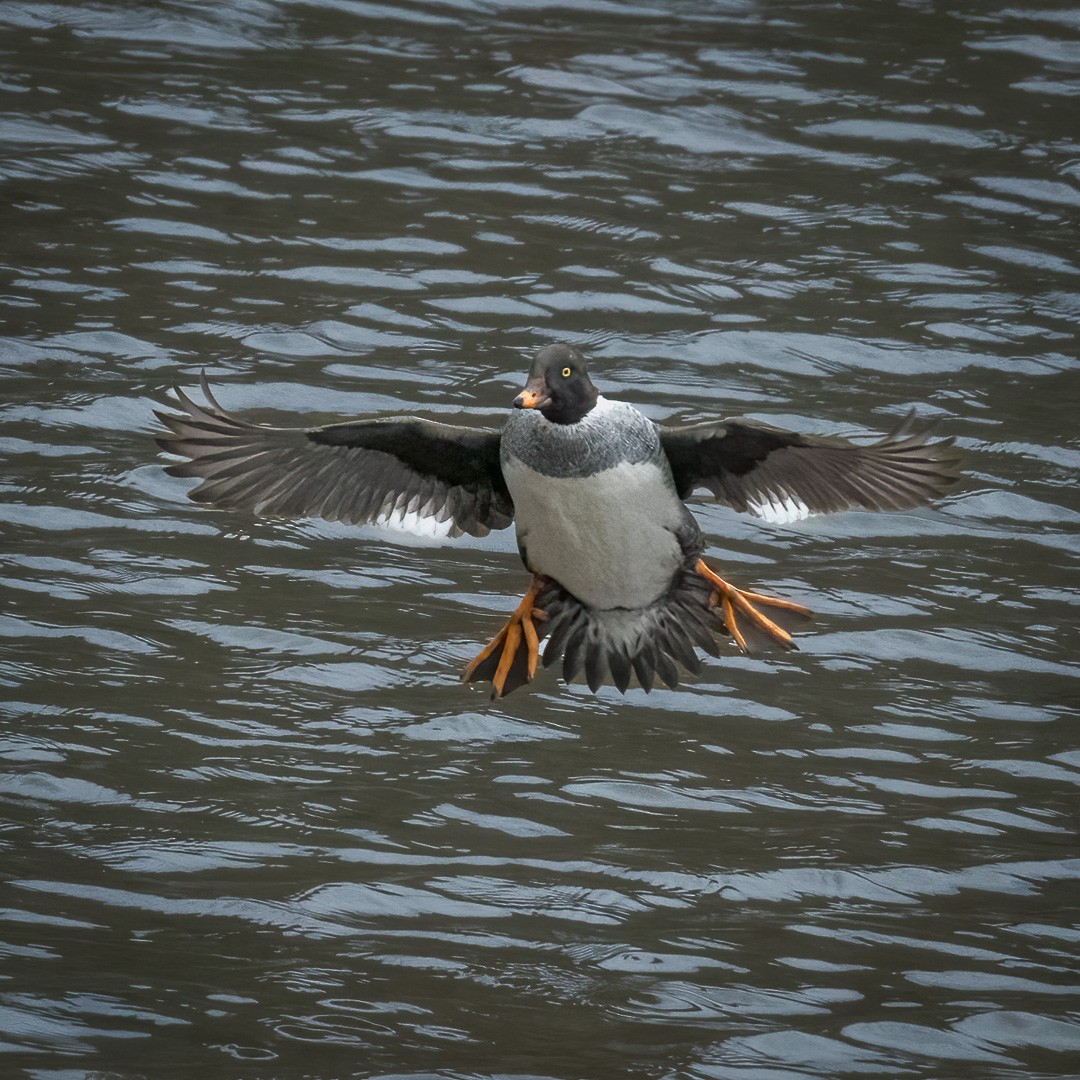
column 534, row 396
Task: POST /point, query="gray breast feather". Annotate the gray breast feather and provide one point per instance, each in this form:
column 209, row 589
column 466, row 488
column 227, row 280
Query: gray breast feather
column 612, row 538
column 611, row 434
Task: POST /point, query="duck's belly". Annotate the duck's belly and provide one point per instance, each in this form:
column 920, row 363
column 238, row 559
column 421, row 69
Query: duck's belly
column 609, row 538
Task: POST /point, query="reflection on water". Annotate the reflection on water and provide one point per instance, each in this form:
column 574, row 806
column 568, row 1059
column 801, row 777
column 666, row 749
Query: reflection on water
column 248, row 808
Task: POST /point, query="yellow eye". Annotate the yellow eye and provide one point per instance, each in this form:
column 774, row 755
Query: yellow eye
column 566, row 373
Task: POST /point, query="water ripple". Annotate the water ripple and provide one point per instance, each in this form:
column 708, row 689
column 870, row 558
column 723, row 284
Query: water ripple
column 248, row 808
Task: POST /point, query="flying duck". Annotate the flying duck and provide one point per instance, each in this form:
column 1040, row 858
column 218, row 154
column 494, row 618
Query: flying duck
column 595, row 490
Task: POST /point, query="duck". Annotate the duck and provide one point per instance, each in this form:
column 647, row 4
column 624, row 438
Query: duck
column 597, row 493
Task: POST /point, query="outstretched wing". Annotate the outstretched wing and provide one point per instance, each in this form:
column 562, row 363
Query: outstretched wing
column 783, row 476
column 393, row 470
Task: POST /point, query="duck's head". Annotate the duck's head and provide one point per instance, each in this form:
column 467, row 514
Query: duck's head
column 558, row 386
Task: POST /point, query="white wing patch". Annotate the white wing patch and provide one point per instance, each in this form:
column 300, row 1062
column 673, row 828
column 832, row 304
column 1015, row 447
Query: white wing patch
column 416, row 524
column 778, row 507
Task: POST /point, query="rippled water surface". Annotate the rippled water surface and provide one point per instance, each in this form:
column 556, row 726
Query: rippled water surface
column 252, row 825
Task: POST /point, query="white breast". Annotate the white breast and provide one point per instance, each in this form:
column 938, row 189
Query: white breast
column 608, row 538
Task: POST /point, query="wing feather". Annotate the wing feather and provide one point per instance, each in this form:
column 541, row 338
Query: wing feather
column 782, row 475
column 361, row 471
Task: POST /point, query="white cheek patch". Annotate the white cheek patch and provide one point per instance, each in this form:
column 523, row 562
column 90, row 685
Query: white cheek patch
column 778, row 508
column 416, row 524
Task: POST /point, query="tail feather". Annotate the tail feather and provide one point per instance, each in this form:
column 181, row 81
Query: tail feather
column 644, row 668
column 573, row 656
column 597, row 662
column 621, row 668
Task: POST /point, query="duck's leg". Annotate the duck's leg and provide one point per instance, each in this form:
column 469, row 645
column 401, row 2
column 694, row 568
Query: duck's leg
column 502, row 660
column 743, row 619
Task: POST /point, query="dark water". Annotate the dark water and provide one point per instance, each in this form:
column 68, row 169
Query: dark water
column 252, row 826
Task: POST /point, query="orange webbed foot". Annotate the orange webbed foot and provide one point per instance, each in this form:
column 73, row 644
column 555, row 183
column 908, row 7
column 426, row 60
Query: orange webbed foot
column 510, row 658
column 750, row 627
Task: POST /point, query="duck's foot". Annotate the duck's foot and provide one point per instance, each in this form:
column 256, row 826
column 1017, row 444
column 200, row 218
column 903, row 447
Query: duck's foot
column 751, row 628
column 503, row 660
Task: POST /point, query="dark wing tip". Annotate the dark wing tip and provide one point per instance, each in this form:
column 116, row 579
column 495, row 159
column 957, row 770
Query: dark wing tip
column 910, row 467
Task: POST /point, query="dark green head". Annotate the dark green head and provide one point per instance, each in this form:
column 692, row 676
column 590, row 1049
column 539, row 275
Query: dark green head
column 559, row 386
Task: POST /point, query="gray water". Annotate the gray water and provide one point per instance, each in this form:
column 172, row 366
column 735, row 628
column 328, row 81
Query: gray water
column 251, row 823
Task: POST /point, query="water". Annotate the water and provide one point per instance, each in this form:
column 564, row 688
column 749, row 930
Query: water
column 252, row 825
